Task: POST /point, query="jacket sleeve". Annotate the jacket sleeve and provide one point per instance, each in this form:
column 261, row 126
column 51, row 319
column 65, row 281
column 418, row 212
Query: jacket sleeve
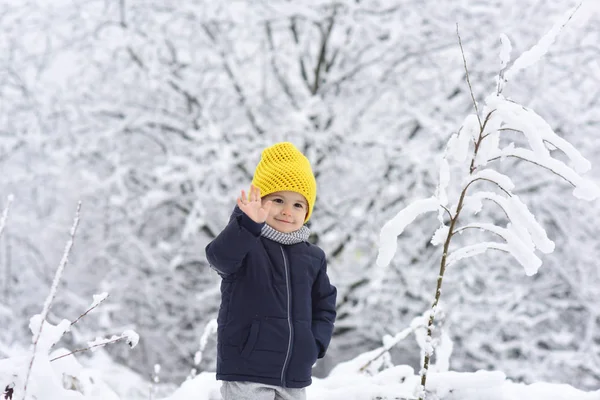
column 227, row 251
column 323, row 309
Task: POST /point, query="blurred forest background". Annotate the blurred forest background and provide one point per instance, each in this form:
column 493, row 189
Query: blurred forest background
column 153, row 114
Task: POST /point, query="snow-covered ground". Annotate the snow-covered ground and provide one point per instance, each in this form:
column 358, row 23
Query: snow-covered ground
column 66, row 378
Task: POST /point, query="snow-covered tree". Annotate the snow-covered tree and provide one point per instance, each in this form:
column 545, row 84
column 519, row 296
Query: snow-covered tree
column 469, row 162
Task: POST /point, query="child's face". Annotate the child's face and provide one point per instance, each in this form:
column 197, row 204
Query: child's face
column 288, row 211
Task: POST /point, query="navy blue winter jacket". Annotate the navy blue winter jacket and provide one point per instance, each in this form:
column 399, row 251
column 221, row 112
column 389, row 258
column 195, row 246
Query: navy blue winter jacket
column 277, row 306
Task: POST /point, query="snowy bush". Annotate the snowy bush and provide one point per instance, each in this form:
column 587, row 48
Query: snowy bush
column 46, row 373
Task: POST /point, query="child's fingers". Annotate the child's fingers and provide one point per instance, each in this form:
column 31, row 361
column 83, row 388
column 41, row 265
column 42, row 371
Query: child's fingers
column 267, row 205
column 255, row 193
column 243, row 197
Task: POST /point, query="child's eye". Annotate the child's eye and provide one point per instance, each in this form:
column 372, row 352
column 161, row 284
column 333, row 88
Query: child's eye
column 277, row 201
column 299, row 205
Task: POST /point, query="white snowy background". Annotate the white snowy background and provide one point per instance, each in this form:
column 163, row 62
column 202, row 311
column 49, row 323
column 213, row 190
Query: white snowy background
column 153, row 115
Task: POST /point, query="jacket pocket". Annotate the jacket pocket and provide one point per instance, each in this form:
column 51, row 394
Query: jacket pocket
column 304, row 354
column 252, row 338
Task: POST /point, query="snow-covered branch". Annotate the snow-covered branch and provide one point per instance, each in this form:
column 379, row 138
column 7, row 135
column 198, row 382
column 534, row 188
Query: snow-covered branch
column 129, row 336
column 393, row 228
column 5, row 213
column 52, row 295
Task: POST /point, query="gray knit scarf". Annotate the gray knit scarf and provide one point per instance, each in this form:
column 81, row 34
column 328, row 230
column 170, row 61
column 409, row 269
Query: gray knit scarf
column 299, row 236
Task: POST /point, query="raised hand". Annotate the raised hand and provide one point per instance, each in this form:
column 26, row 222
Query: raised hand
column 252, row 205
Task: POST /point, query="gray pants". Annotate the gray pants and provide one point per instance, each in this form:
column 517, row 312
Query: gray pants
column 259, row 391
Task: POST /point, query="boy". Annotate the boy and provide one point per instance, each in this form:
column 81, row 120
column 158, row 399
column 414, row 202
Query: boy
column 277, row 304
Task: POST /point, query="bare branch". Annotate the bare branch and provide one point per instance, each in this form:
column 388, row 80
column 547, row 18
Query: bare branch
column 463, row 228
column 123, row 19
column 494, row 182
column 533, row 162
column 11, row 151
column 88, row 311
column 321, row 63
column 448, row 211
column 89, row 348
column 296, row 38
column 468, row 79
column 284, row 85
column 236, row 85
column 397, row 339
column 479, row 140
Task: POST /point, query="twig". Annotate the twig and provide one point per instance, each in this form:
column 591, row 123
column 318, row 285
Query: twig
column 52, row 294
column 535, row 163
column 462, row 228
column 399, row 337
column 447, row 211
column 88, row 311
column 242, row 97
column 492, row 181
column 468, row 79
column 90, row 347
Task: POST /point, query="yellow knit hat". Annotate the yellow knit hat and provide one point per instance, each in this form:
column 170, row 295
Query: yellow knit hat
column 283, row 167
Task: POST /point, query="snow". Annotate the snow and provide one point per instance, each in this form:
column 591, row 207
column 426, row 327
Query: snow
column 439, row 237
column 457, row 148
column 97, row 299
column 537, row 131
column 521, row 250
column 58, row 276
column 393, row 228
column 129, row 336
column 519, row 216
column 443, row 185
column 42, row 343
column 400, row 382
column 47, row 335
column 506, row 48
column 209, row 329
column 367, row 376
column 64, row 378
column 503, row 181
column 533, row 55
column 10, row 199
column 584, row 189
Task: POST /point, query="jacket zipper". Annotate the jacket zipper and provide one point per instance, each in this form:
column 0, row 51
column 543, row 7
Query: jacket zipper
column 289, row 316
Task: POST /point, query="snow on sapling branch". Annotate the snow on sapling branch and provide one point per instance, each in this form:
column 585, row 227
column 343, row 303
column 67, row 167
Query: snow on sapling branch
column 209, row 329
column 417, row 326
column 129, row 336
column 48, row 303
column 155, row 381
column 5, row 213
column 480, row 138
